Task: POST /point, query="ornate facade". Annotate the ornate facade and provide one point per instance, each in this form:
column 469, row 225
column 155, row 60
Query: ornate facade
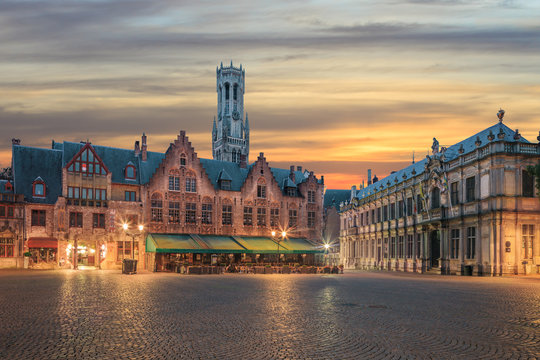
column 467, row 209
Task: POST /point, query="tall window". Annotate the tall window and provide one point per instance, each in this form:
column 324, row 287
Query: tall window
column 206, row 213
column 87, row 194
column 470, row 185
column 174, row 212
column 191, row 184
column 261, row 190
column 183, row 160
column 227, row 88
column 527, row 182
column 124, row 249
column 293, row 217
column 248, row 216
column 38, row 217
column 191, row 213
column 98, row 221
column 74, row 192
column 419, row 204
column 87, row 164
column 409, row 206
column 7, row 211
column 261, row 216
column 75, row 219
column 385, row 248
column 379, row 216
column 38, row 189
column 418, row 245
column 400, row 246
column 373, row 220
column 101, row 194
column 471, row 243
column 226, row 215
column 385, row 212
column 311, row 219
column 174, row 183
column 6, row 247
column 274, row 217
column 454, row 193
column 130, row 172
column 311, row 196
column 435, row 198
column 410, row 240
column 235, row 92
column 401, row 208
column 392, row 211
column 157, row 208
column 527, row 236
column 393, row 247
column 454, row 243
column 130, row 196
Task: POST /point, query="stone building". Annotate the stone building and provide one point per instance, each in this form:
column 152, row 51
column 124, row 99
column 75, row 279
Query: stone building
column 78, row 196
column 470, row 208
column 11, row 226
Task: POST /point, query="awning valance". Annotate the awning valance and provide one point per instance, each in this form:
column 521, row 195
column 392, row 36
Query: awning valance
column 43, row 242
column 220, row 244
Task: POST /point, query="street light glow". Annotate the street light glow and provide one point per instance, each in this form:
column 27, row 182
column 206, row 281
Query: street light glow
column 283, row 234
column 125, row 226
column 326, row 246
column 141, row 227
column 273, row 233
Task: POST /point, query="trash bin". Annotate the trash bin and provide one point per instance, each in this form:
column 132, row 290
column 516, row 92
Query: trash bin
column 129, row 266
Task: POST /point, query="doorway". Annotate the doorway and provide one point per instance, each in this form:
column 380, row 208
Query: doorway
column 435, row 253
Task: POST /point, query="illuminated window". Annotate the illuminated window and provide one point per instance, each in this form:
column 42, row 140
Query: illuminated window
column 527, row 236
column 6, row 247
column 124, row 249
column 38, row 188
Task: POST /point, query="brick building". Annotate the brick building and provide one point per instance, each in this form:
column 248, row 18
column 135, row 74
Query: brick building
column 11, row 226
column 470, row 208
column 78, row 196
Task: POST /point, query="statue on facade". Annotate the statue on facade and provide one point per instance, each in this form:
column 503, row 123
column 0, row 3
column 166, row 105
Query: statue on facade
column 435, row 147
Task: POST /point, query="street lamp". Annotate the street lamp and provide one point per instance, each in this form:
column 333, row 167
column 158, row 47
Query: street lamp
column 278, row 240
column 326, row 247
column 133, row 234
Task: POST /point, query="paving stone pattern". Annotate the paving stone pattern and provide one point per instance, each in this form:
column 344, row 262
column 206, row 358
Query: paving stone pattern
column 106, row 315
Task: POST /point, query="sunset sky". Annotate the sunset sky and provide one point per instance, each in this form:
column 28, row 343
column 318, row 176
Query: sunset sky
column 335, row 86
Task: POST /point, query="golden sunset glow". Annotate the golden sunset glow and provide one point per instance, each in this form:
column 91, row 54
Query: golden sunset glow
column 334, row 88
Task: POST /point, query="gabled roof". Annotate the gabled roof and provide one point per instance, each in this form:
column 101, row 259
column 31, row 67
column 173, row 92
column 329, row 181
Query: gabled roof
column 30, row 163
column 281, row 176
column 335, row 197
column 3, row 190
column 450, row 154
column 216, row 168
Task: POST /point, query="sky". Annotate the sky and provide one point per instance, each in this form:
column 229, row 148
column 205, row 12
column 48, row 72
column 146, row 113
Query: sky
column 337, row 87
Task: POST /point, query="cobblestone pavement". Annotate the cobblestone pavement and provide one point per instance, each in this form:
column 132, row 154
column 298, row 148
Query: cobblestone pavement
column 106, row 315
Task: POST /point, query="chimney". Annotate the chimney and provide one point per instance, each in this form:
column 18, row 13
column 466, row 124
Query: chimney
column 369, row 177
column 243, row 162
column 375, row 179
column 291, row 174
column 299, row 168
column 137, row 148
column 16, row 141
column 322, row 179
column 144, row 155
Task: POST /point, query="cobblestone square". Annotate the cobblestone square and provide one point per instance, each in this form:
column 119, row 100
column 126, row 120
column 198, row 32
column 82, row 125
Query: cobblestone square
column 106, row 315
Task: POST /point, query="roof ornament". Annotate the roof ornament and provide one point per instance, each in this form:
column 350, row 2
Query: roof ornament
column 461, row 150
column 478, row 142
column 435, row 147
column 491, row 137
column 501, row 134
column 517, row 135
column 538, row 137
column 500, row 115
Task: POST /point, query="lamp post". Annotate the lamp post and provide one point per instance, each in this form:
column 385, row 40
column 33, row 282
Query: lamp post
column 125, row 226
column 278, row 241
column 326, row 247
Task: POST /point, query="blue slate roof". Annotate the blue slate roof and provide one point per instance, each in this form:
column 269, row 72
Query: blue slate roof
column 282, row 177
column 215, row 168
column 334, row 197
column 450, row 154
column 30, row 163
column 3, row 187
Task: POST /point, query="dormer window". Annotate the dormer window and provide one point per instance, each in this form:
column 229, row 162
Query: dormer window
column 291, row 191
column 130, row 172
column 38, row 188
column 87, row 163
column 225, row 184
column 8, row 186
column 183, row 160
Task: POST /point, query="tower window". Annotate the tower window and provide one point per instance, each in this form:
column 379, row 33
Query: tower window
column 227, row 91
column 235, row 92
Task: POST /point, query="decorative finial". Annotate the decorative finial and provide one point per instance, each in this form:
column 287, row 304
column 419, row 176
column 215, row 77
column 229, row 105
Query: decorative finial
column 517, row 135
column 461, row 150
column 413, row 157
column 478, row 142
column 500, row 115
column 491, row 137
column 501, row 134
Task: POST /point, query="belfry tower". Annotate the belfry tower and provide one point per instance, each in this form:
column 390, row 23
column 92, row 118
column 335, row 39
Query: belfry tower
column 230, row 136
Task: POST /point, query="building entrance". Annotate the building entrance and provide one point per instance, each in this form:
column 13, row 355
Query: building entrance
column 435, row 253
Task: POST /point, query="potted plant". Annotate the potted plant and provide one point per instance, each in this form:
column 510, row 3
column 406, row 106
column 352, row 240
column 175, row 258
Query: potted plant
column 27, row 259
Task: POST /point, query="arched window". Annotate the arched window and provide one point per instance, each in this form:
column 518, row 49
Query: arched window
column 183, row 160
column 227, row 91
column 157, row 207
column 235, row 92
column 261, row 188
column 130, row 172
column 435, row 198
column 38, row 188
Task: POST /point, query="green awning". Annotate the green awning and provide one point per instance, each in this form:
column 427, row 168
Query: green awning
column 260, row 245
column 216, row 244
